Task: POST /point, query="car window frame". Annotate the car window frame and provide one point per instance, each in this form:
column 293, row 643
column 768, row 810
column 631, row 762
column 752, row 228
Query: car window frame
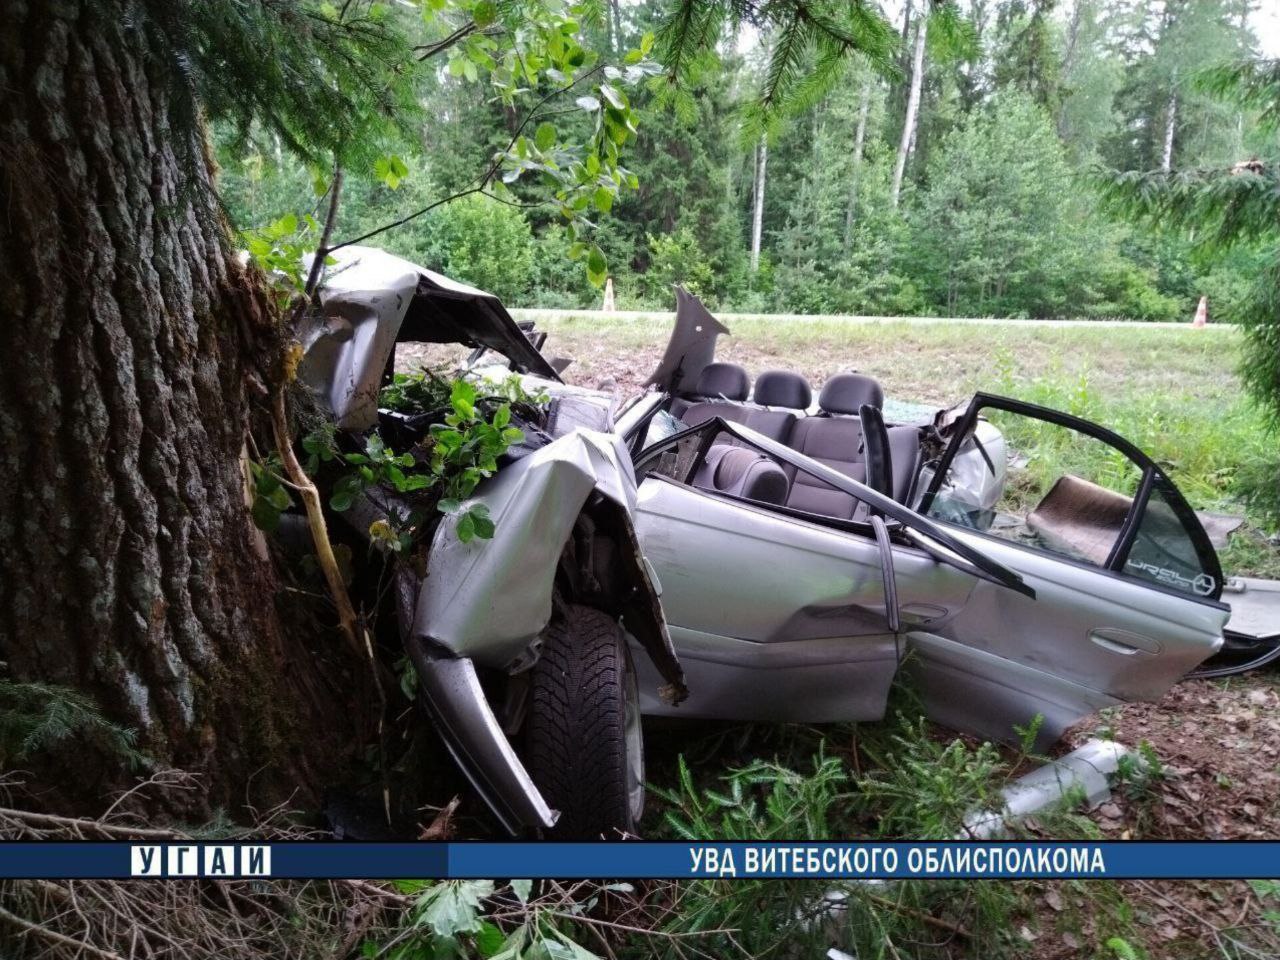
column 1152, row 478
column 973, row 562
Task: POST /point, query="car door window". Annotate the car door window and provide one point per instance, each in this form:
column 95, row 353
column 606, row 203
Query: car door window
column 1163, row 552
column 1063, row 491
column 1061, row 485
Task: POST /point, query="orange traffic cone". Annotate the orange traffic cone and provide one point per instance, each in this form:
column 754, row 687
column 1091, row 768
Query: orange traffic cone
column 1202, row 313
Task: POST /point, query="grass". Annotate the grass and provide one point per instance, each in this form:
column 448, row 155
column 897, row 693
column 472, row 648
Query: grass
column 1172, row 391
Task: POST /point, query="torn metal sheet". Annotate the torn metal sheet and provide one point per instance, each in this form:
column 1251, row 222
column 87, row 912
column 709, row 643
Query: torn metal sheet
column 1255, row 607
column 370, row 300
column 476, row 740
column 691, row 348
column 490, row 599
column 345, row 348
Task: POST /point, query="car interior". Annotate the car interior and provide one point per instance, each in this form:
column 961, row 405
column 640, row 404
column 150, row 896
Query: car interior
column 844, row 431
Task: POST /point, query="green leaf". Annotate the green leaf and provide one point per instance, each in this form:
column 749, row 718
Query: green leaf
column 522, row 889
column 502, row 416
column 449, row 506
column 466, row 527
column 597, row 266
column 284, row 226
column 613, row 96
column 342, row 501
column 484, row 13
column 391, row 170
column 588, row 103
column 603, row 199
column 279, row 498
column 319, row 182
column 1122, row 948
column 544, row 138
column 265, row 515
column 463, row 399
column 453, row 907
column 489, row 940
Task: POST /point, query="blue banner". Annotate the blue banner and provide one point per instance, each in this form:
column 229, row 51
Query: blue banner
column 641, row 859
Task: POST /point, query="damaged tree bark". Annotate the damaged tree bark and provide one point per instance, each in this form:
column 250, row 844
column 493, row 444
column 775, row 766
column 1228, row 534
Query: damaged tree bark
column 129, row 568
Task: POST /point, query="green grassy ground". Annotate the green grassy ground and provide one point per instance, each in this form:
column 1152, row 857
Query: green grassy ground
column 1172, row 391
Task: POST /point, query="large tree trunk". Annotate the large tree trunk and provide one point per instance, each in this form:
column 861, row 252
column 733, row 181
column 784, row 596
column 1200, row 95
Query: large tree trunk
column 128, row 566
column 913, row 111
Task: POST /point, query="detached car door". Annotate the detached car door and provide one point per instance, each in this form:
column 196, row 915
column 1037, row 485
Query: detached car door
column 1126, row 583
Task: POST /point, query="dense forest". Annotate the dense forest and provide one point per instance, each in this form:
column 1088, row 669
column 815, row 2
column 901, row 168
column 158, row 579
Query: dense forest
column 966, row 182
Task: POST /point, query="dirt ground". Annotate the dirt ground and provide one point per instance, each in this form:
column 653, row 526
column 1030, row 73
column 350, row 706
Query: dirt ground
column 1219, row 745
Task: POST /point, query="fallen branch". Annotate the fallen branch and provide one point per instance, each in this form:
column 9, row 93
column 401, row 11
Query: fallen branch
column 348, row 622
column 926, row 918
column 78, row 824
column 54, row 937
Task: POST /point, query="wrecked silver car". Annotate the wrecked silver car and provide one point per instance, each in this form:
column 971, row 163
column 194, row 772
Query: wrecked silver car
column 718, row 548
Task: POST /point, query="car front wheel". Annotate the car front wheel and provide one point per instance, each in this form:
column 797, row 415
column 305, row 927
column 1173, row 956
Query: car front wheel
column 584, row 745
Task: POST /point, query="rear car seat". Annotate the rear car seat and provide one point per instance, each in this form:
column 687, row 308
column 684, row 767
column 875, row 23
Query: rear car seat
column 742, row 472
column 774, row 389
column 834, row 438
column 720, row 389
column 787, row 393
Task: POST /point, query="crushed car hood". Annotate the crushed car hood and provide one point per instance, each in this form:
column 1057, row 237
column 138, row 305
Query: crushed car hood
column 370, row 300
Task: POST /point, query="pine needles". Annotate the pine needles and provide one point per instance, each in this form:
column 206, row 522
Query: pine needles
column 40, row 717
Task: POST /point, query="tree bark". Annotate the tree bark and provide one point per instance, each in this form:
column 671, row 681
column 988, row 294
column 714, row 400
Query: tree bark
column 1170, row 123
column 129, row 568
column 913, row 110
column 859, row 140
column 757, row 212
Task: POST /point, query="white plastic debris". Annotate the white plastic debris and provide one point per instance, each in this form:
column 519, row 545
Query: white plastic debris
column 1088, row 768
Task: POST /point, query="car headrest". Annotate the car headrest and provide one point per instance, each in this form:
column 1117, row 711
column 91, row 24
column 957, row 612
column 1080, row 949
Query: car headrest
column 726, row 380
column 781, row 388
column 847, row 392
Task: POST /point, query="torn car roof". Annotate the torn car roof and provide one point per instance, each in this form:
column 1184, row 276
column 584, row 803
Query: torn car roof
column 372, row 300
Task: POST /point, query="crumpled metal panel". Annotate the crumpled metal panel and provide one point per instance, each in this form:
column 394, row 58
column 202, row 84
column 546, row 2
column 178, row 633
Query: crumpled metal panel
column 364, row 300
column 368, row 299
column 490, row 599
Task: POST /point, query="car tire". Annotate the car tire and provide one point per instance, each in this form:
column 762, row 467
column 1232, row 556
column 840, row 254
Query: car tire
column 583, row 743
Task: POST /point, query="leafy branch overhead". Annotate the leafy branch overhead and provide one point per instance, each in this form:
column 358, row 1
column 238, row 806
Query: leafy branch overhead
column 529, row 55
